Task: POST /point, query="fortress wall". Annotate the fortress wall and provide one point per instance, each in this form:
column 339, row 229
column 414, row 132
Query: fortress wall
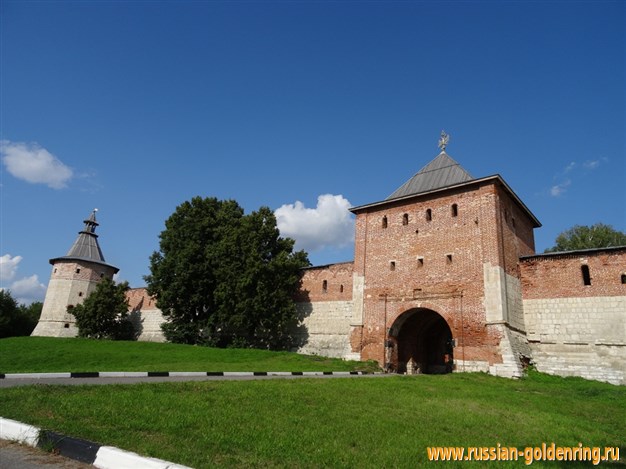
column 579, row 336
column 327, row 325
column 144, row 314
column 576, row 329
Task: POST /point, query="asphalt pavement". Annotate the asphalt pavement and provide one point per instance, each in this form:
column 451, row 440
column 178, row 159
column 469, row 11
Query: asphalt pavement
column 16, row 456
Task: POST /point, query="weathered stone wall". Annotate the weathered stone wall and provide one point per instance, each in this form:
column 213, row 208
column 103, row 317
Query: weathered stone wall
column 575, row 329
column 324, row 305
column 327, row 326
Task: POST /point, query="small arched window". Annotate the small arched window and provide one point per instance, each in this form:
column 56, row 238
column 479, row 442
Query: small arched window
column 384, row 224
column 624, row 278
column 340, row 288
column 325, row 286
column 429, row 214
column 405, row 219
column 455, row 210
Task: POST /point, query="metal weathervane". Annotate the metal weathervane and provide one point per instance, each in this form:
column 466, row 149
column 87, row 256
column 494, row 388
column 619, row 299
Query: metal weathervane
column 443, row 140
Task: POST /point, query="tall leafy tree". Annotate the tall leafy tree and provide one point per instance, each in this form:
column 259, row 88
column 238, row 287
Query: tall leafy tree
column 223, row 278
column 588, row 237
column 17, row 320
column 104, row 314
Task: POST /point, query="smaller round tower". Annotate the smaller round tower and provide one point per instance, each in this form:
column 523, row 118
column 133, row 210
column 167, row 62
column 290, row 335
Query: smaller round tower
column 74, row 276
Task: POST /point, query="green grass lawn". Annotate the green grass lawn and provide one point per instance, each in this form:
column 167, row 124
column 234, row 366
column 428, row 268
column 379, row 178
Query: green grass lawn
column 48, row 354
column 342, row 422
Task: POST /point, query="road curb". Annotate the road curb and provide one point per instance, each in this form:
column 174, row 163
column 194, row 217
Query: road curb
column 154, row 374
column 102, row 457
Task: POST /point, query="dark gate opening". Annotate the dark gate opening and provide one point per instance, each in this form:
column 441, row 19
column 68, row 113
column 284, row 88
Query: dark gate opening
column 421, row 337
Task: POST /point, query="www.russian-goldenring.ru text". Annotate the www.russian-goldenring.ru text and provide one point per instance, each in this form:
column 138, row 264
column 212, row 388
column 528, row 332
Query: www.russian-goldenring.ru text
column 529, row 454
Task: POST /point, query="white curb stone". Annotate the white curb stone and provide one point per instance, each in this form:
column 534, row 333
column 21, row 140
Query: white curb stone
column 187, row 373
column 37, row 375
column 17, row 431
column 114, row 458
column 123, row 374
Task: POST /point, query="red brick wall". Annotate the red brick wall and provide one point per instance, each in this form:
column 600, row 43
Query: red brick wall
column 138, row 299
column 78, row 270
column 560, row 276
column 338, row 278
column 516, row 234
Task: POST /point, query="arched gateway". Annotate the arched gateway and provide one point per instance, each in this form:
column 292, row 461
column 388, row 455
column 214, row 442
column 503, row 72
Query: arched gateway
column 421, row 337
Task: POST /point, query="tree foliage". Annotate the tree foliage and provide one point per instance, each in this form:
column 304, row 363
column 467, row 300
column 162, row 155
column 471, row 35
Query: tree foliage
column 104, row 314
column 226, row 279
column 17, row 320
column 588, row 237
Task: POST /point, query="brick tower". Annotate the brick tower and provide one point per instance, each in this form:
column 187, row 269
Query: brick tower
column 74, row 276
column 436, row 279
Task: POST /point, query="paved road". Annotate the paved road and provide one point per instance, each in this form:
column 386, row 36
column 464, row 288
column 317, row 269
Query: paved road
column 7, row 383
column 14, row 456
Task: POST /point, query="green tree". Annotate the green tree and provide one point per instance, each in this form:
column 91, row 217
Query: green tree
column 17, row 320
column 588, row 237
column 226, row 279
column 104, row 314
column 31, row 314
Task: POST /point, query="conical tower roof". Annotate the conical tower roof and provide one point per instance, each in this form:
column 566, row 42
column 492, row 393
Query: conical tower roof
column 441, row 172
column 86, row 247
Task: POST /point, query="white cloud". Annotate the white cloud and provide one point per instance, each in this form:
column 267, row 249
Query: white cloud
column 34, row 164
column 8, row 267
column 574, row 171
column 593, row 164
column 559, row 189
column 569, row 167
column 330, row 224
column 28, row 290
column 25, row 290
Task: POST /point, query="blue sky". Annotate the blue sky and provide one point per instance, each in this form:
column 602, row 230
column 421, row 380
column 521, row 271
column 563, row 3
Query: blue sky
column 307, row 107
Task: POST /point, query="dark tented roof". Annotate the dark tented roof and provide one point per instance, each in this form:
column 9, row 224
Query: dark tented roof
column 441, row 172
column 86, row 246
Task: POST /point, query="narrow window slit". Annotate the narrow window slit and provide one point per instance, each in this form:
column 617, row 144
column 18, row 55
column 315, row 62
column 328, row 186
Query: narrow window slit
column 584, row 270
